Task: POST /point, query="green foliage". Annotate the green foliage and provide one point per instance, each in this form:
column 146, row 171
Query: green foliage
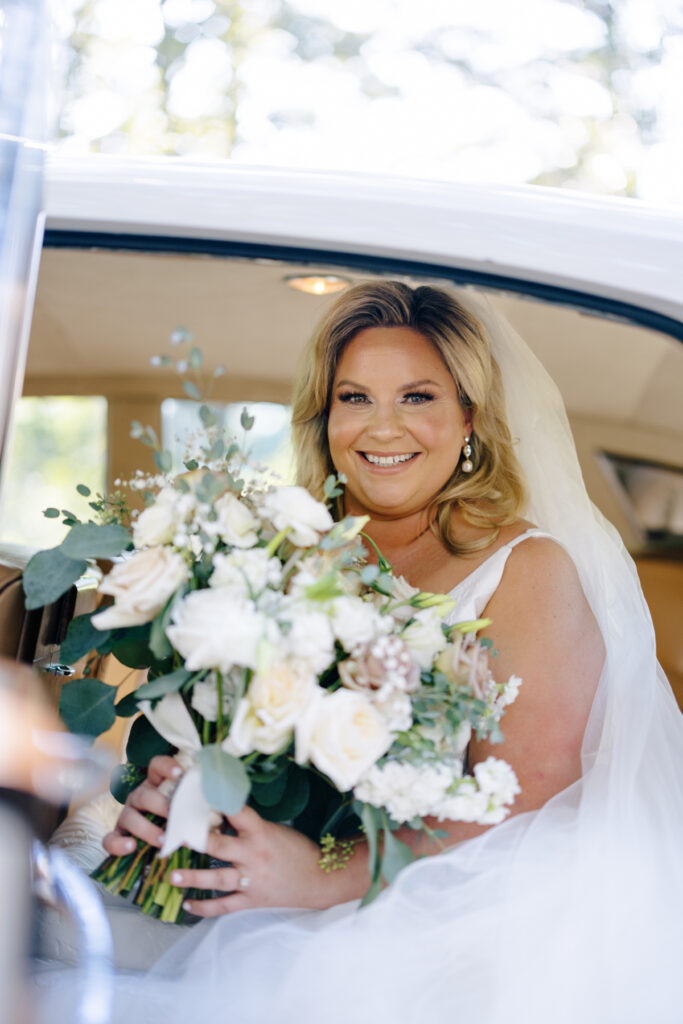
column 48, row 575
column 294, row 798
column 124, row 779
column 87, row 706
column 81, row 638
column 191, row 390
column 225, row 780
column 396, row 856
column 144, row 743
column 159, row 687
column 246, row 420
column 270, row 791
column 131, row 646
column 91, row 540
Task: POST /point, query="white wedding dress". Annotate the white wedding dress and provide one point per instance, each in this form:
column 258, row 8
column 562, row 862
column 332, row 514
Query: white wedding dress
column 571, row 914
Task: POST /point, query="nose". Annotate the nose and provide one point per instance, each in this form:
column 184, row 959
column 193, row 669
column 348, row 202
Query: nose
column 385, row 423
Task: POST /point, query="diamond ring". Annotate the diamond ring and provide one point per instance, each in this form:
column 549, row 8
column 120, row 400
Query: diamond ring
column 244, row 882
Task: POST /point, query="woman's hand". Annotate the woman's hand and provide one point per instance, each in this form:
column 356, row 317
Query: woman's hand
column 271, row 866
column 144, row 799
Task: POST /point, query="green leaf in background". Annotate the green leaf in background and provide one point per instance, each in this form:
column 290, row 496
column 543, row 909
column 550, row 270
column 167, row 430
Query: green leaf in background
column 246, row 420
column 127, row 706
column 51, row 513
column 124, row 779
column 84, row 490
column 81, row 637
column 159, row 687
column 270, row 793
column 294, row 798
column 369, row 817
column 195, row 357
column 90, row 540
column 87, row 706
column 144, row 743
column 396, row 856
column 48, row 575
column 207, row 416
column 191, row 390
column 224, row 779
column 158, row 641
column 163, row 461
column 131, row 646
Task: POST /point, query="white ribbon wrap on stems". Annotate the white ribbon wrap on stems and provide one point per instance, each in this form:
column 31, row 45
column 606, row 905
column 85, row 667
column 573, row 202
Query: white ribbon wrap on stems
column 190, row 816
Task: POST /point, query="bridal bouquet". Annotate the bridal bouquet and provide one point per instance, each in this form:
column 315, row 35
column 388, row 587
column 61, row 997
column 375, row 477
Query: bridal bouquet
column 285, row 669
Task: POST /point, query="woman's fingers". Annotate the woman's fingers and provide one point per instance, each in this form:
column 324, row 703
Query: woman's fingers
column 146, row 797
column 118, row 843
column 163, row 767
column 216, row 907
column 224, row 847
column 221, row 879
column 134, row 823
column 247, row 820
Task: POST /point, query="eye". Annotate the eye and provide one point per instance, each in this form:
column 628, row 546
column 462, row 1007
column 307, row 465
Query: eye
column 418, row 397
column 353, row 397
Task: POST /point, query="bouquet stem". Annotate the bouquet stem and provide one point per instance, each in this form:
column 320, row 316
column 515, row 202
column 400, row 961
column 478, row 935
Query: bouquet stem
column 142, row 875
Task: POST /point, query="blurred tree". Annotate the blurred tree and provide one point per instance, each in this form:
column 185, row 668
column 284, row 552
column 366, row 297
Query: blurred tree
column 562, row 92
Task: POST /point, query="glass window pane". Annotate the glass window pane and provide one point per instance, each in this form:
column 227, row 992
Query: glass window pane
column 59, row 442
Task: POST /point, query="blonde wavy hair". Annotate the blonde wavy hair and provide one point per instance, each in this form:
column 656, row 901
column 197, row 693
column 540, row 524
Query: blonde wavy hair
column 494, row 494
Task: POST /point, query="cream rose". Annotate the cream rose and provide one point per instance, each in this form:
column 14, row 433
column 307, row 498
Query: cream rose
column 141, row 585
column 296, row 509
column 157, row 524
column 235, row 524
column 343, row 735
column 216, row 629
column 266, row 716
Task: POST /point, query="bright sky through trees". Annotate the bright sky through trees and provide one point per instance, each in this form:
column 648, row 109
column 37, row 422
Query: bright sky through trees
column 582, row 93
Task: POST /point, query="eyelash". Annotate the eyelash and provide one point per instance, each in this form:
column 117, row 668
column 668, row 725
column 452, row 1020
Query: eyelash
column 359, row 397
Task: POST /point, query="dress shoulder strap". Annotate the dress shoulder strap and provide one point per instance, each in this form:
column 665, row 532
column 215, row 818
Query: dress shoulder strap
column 533, row 531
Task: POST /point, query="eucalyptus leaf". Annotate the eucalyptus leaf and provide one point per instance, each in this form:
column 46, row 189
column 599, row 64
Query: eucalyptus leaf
column 225, row 781
column 372, row 893
column 131, row 646
column 82, row 489
column 48, row 575
column 158, row 641
column 87, row 706
column 81, row 638
column 92, row 540
column 246, row 420
column 294, row 798
column 163, row 461
column 397, row 855
column 195, row 357
column 144, row 743
column 124, row 779
column 269, row 794
column 369, row 817
column 51, row 513
column 191, row 390
column 127, row 706
column 162, row 685
column 207, row 416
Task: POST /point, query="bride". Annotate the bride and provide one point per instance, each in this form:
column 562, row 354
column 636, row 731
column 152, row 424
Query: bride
column 569, row 910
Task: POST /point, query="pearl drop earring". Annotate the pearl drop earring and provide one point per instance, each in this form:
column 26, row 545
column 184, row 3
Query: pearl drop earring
column 467, row 466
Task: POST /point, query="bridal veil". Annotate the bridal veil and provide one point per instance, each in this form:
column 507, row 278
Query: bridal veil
column 568, row 914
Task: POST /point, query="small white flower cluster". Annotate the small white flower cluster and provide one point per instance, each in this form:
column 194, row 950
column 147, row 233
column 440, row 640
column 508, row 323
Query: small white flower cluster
column 411, row 791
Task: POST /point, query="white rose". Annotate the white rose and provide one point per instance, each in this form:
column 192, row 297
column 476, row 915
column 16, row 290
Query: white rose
column 343, row 735
column 157, row 524
column 215, row 629
column 141, row 585
column 425, row 637
column 296, row 509
column 356, row 622
column 246, row 570
column 235, row 524
column 266, row 716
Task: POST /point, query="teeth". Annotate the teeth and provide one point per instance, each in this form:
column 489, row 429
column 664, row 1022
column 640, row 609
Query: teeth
column 388, row 460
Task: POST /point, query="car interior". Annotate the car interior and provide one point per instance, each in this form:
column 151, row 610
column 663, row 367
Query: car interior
column 104, row 322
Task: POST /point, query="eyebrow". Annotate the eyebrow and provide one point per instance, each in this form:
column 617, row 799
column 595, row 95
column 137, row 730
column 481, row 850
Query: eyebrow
column 404, row 387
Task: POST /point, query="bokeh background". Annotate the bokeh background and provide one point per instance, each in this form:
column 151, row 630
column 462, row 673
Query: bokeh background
column 576, row 93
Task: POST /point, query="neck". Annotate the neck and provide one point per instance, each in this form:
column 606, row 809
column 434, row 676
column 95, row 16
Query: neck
column 399, row 534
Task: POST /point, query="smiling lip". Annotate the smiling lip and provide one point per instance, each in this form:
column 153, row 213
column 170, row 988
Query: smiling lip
column 388, row 460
